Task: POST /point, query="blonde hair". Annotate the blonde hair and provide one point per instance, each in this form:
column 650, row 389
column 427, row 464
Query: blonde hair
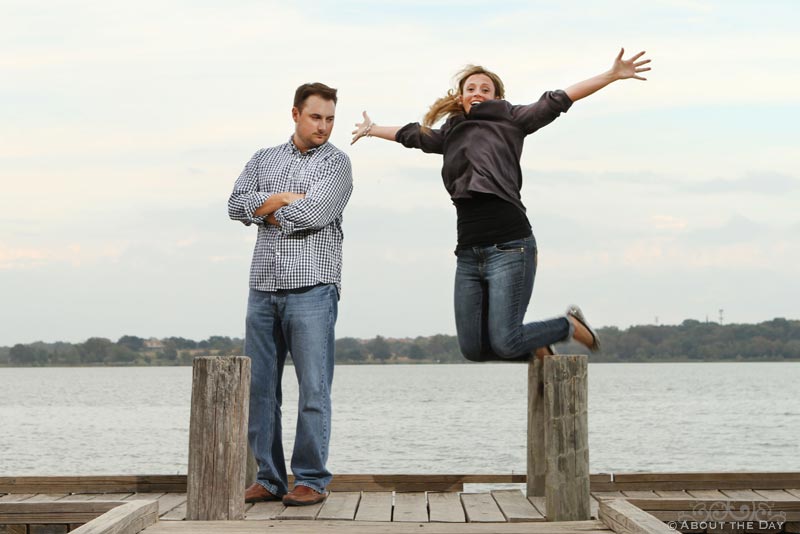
column 450, row 104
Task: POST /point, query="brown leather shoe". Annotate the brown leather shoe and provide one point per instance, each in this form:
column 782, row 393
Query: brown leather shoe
column 258, row 493
column 303, row 496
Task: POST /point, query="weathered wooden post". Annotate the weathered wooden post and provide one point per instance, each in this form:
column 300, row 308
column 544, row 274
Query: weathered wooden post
column 536, row 465
column 558, row 425
column 218, row 438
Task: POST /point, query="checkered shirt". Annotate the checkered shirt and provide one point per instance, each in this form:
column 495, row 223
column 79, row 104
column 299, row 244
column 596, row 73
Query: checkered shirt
column 307, row 247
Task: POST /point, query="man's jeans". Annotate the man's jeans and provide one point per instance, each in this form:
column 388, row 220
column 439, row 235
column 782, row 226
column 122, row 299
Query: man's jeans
column 492, row 290
column 300, row 321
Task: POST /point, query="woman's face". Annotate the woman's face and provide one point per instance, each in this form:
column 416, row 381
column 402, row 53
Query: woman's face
column 477, row 88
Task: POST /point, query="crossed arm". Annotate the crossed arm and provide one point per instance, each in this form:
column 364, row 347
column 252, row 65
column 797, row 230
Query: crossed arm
column 620, row 70
column 274, row 203
column 320, row 205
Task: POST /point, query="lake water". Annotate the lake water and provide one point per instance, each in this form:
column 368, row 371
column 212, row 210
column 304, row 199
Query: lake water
column 416, row 418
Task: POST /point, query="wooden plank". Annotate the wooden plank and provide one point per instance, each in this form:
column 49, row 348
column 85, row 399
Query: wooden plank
column 346, row 482
column 539, row 503
column 776, row 495
column 13, row 529
column 48, row 529
column 46, row 497
column 481, row 508
column 595, row 507
column 407, row 483
column 707, row 494
column 375, row 506
column 792, row 527
column 724, row 528
column 178, row 513
column 50, row 507
column 601, row 495
column 640, row 494
column 144, row 496
column 410, row 507
column 795, row 492
column 340, row 505
column 120, row 496
column 689, row 485
column 721, row 515
column 79, row 497
column 715, row 504
column 515, row 507
column 350, row 527
column 742, row 494
column 17, row 497
column 445, row 508
column 170, row 501
column 665, row 477
column 129, row 518
column 300, row 513
column 264, row 510
column 673, row 494
column 623, row 517
column 81, row 484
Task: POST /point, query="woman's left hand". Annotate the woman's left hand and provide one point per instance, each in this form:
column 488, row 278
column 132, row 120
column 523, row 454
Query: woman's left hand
column 362, row 128
column 629, row 68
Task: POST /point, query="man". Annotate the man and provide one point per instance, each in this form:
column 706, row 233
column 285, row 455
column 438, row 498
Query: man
column 295, row 193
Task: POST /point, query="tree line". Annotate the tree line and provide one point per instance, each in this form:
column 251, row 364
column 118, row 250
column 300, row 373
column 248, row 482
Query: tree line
column 775, row 340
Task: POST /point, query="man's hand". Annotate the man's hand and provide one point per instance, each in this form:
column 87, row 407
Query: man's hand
column 277, row 201
column 288, row 198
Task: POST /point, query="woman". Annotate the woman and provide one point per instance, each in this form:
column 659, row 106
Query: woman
column 481, row 143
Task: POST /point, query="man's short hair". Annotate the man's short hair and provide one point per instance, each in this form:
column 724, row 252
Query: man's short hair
column 310, row 89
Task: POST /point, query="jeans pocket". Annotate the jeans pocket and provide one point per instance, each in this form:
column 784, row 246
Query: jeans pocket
column 515, row 246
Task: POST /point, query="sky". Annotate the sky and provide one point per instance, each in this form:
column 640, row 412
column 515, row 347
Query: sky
column 125, row 124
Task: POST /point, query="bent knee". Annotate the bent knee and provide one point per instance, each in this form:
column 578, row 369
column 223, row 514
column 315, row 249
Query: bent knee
column 472, row 353
column 506, row 349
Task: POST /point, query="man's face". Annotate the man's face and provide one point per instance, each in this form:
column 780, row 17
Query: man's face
column 314, row 123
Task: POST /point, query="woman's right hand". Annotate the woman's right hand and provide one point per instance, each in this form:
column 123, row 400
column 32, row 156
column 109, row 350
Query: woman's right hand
column 362, row 128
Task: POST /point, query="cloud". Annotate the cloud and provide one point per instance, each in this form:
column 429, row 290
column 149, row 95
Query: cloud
column 757, row 182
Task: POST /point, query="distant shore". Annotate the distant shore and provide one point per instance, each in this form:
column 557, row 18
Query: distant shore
column 777, row 340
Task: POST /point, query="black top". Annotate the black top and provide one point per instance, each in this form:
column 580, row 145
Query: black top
column 488, row 220
column 482, row 148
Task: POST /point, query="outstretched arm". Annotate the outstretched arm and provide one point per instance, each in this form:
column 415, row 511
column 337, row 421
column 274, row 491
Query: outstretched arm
column 369, row 128
column 621, row 69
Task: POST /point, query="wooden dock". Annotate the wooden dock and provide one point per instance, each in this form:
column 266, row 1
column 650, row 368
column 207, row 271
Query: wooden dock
column 762, row 503
column 560, row 496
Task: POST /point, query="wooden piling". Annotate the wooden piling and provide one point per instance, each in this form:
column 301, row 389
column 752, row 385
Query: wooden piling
column 566, row 437
column 558, row 436
column 218, row 438
column 536, row 464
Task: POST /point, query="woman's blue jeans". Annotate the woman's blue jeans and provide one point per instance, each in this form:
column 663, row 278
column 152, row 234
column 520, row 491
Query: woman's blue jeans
column 492, row 290
column 301, row 322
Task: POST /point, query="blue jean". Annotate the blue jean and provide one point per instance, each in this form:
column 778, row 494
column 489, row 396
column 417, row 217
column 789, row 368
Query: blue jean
column 493, row 287
column 300, row 322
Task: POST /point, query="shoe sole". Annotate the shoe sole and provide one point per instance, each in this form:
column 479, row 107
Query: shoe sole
column 575, row 311
column 264, row 499
column 290, row 502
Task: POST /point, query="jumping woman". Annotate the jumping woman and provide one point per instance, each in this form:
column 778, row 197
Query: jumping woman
column 481, row 144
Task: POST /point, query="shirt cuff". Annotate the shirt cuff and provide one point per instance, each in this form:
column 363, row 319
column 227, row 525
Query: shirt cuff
column 287, row 226
column 253, row 204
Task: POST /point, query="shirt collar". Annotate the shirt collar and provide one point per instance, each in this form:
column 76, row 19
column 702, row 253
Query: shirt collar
column 294, row 150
